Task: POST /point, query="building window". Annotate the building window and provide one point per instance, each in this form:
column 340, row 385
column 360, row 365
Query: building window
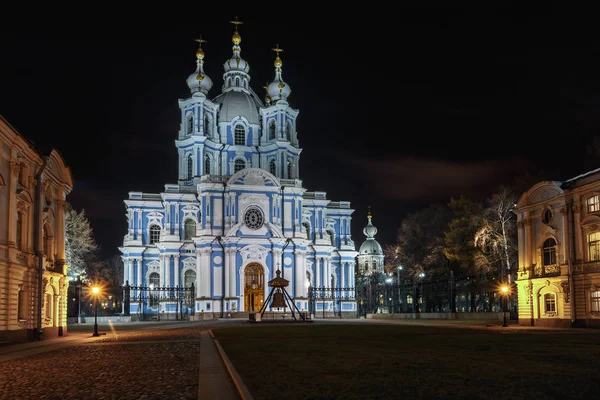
column 22, row 301
column 409, row 300
column 272, row 130
column 190, row 167
column 190, row 124
column 594, row 246
column 237, row 81
column 154, row 284
column 239, row 165
column 288, row 132
column 306, row 226
column 593, row 204
column 550, row 303
column 272, row 167
column 154, row 234
column 547, row 216
column 595, row 301
column 240, row 136
column 550, row 252
column 206, row 126
column 206, row 165
column 189, row 278
column 253, row 218
column 189, row 229
column 331, row 237
column 289, row 170
column 19, row 237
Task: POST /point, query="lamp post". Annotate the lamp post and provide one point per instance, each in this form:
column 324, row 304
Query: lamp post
column 505, row 298
column 95, row 291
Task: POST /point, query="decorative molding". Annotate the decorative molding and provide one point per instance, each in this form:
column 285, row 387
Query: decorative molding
column 254, row 253
column 566, row 291
column 529, row 291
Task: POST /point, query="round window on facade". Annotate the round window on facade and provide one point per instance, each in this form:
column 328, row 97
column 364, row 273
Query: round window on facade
column 254, row 218
column 547, row 216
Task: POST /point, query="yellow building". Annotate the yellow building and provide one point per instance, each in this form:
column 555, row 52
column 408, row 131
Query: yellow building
column 559, row 252
column 33, row 280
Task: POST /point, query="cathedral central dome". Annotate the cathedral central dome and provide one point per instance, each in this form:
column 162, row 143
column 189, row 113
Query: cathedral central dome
column 238, row 104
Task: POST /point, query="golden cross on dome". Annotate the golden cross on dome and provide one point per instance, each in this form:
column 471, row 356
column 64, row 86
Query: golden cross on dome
column 236, row 22
column 200, row 40
column 277, row 49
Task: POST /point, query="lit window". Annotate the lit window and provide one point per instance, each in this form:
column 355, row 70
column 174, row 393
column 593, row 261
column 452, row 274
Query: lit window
column 409, row 300
column 190, row 167
column 189, row 230
column 272, row 167
column 189, row 278
column 593, row 204
column 550, row 303
column 595, row 300
column 272, row 130
column 206, row 165
column 19, row 237
column 550, row 252
column 239, row 165
column 240, row 135
column 154, row 234
column 594, row 246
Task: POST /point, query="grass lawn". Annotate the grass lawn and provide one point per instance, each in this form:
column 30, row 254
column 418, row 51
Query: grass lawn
column 369, row 361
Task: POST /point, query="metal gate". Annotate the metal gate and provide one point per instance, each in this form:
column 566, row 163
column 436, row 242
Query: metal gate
column 159, row 303
column 326, row 302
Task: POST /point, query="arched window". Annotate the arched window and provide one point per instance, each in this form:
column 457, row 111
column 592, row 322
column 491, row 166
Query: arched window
column 331, row 236
column 306, row 226
column 289, row 170
column 272, row 130
column 206, row 126
column 190, row 124
column 550, row 303
column 594, row 246
column 154, row 284
column 206, row 165
column 288, row 132
column 19, row 238
column 154, row 234
column 272, row 167
column 237, row 81
column 240, row 135
column 190, row 167
column 189, row 229
column 550, row 252
column 189, row 278
column 239, row 165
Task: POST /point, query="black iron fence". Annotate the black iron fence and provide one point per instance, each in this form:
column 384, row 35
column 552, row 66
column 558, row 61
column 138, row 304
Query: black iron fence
column 331, row 302
column 159, row 302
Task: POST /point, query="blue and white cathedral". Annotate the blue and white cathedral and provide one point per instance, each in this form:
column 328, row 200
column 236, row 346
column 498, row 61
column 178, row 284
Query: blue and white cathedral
column 238, row 212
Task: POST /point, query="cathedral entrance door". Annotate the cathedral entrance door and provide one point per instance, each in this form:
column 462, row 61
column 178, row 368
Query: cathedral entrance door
column 254, row 287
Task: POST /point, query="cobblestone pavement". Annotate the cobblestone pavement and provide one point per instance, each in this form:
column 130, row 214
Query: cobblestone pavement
column 160, row 363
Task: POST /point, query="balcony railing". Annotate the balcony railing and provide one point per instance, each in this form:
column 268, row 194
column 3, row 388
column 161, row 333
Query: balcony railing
column 546, row 270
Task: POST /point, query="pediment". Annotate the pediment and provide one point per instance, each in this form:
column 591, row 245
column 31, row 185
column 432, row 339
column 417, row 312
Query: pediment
column 253, row 177
column 539, row 193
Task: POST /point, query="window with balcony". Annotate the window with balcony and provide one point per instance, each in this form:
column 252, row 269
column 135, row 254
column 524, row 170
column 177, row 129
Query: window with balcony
column 549, row 252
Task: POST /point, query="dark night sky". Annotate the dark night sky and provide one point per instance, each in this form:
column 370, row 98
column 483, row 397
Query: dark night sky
column 394, row 113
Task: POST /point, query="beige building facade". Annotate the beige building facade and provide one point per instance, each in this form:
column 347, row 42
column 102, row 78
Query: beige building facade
column 559, row 253
column 33, row 280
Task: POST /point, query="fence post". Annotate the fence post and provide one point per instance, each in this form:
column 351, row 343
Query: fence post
column 126, row 299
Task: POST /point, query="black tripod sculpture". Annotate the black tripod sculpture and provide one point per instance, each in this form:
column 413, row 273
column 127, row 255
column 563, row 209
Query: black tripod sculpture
column 279, row 297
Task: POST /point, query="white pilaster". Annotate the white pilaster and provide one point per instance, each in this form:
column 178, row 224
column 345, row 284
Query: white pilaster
column 232, row 271
column 177, row 282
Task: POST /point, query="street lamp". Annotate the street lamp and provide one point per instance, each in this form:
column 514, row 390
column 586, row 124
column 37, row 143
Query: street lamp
column 505, row 296
column 96, row 291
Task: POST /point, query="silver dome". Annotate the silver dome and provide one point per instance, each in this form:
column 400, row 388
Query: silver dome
column 238, row 104
column 371, row 247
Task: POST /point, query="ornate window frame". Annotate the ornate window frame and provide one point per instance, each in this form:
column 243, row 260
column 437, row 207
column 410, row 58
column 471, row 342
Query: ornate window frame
column 185, row 227
column 237, row 162
column 592, row 305
column 239, row 130
column 151, row 239
column 592, row 203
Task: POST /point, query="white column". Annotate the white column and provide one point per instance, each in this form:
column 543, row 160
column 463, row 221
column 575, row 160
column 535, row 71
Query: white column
column 204, row 275
column 176, row 262
column 343, row 266
column 327, row 276
column 226, row 265
column 167, row 281
column 140, row 278
column 318, row 271
column 232, row 271
column 130, row 263
column 299, row 278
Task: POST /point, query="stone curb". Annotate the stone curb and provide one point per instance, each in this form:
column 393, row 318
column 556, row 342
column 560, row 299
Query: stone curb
column 235, row 376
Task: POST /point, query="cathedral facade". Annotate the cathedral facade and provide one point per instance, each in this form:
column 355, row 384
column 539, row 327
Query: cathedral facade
column 239, row 212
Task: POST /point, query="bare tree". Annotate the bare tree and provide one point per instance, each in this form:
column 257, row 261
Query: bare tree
column 497, row 235
column 79, row 242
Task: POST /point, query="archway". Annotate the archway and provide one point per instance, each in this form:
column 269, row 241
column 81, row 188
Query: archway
column 254, row 287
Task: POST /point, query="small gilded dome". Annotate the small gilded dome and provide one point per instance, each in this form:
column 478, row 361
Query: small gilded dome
column 278, row 62
column 236, row 38
column 200, row 53
column 198, row 81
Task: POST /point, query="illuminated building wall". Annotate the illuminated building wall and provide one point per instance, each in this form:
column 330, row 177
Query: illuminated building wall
column 22, row 192
column 559, row 252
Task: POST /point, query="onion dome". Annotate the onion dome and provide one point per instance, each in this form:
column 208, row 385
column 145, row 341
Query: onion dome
column 199, row 82
column 370, row 246
column 278, row 89
column 236, row 68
